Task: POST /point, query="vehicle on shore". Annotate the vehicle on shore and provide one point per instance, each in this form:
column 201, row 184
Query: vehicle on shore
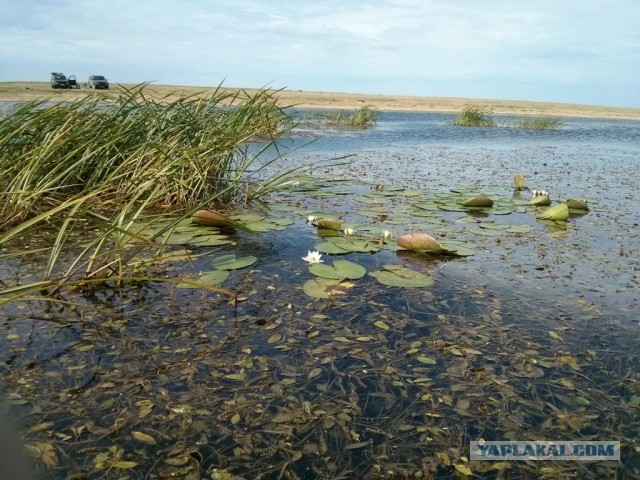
column 59, row 80
column 98, row 82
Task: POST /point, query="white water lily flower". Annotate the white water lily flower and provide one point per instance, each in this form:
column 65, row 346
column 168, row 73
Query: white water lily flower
column 539, row 193
column 313, row 257
column 386, row 234
column 311, row 218
column 349, row 231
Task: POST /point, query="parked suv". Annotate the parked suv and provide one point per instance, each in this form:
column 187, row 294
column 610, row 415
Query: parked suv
column 98, row 82
column 58, row 80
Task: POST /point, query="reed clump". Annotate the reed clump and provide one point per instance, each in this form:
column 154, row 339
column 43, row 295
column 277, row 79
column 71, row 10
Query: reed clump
column 92, row 175
column 537, row 123
column 472, row 116
column 364, row 116
column 134, row 150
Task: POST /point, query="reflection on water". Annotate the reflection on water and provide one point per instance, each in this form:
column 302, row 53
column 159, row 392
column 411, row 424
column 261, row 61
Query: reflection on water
column 533, row 337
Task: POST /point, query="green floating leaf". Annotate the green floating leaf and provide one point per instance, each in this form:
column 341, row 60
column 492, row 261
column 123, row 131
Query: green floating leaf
column 210, row 240
column 214, row 277
column 325, row 288
column 399, row 276
column 231, row 262
column 263, row 226
column 179, row 239
column 330, row 248
column 329, row 224
column 354, row 245
column 559, row 213
column 341, row 270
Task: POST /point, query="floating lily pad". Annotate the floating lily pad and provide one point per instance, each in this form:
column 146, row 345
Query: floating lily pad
column 329, row 224
column 341, row 270
column 325, row 287
column 557, row 213
column 214, row 277
column 231, row 262
column 330, row 248
column 210, row 240
column 460, row 249
column 399, row 276
column 354, row 245
column 179, row 239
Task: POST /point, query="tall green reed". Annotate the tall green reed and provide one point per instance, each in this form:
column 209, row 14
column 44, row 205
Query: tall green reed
column 103, row 170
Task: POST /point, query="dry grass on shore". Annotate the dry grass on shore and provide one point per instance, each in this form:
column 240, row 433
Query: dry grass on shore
column 26, row 91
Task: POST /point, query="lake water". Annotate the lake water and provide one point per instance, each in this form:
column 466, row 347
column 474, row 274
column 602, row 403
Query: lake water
column 533, row 337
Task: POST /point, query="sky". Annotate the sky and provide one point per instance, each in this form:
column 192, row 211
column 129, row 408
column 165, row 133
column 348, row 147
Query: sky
column 572, row 51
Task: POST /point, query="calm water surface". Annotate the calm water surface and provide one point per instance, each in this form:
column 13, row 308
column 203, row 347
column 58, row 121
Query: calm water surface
column 533, row 337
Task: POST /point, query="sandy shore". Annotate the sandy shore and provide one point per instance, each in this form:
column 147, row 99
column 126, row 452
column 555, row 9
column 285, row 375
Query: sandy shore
column 25, row 91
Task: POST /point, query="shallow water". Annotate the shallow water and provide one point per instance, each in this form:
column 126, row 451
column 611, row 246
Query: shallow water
column 534, row 337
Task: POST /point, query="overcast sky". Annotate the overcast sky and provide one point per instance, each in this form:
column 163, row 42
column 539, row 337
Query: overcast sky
column 577, row 51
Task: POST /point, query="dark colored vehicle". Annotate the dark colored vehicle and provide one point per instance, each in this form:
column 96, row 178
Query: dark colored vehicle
column 98, row 82
column 72, row 82
column 58, row 80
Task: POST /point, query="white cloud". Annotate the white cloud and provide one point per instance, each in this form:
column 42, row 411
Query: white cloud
column 456, row 47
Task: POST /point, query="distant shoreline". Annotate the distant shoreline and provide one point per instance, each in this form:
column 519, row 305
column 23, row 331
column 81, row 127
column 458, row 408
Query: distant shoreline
column 28, row 91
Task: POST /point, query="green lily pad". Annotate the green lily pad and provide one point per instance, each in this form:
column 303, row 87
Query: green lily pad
column 263, row 226
column 246, row 218
column 179, row 239
column 341, row 270
column 212, row 278
column 558, row 213
column 325, row 288
column 354, row 245
column 210, row 240
column 459, row 249
column 330, row 248
column 399, row 276
column 231, row 262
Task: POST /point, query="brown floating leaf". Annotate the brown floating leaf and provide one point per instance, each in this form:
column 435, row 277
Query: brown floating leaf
column 210, row 218
column 478, row 201
column 418, row 241
column 577, row 204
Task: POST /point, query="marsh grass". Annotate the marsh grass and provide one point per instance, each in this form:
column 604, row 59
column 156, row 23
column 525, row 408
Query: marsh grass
column 362, row 117
column 537, row 123
column 472, row 116
column 99, row 171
